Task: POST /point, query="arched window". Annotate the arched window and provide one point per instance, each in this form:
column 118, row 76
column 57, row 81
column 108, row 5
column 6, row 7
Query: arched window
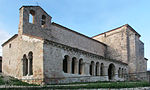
column 81, row 66
column 102, row 69
column 97, row 69
column 25, row 65
column 119, row 72
column 31, row 16
column 65, row 64
column 30, row 55
column 43, row 21
column 111, row 71
column 73, row 65
column 10, row 45
column 92, row 68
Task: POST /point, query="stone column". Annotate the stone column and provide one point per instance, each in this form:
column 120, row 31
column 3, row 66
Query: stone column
column 28, row 67
column 106, row 73
column 69, row 68
column 121, row 73
column 23, row 67
column 86, row 68
column 98, row 70
column 116, row 74
column 105, row 70
column 82, row 68
column 125, row 74
column 76, row 67
column 93, row 69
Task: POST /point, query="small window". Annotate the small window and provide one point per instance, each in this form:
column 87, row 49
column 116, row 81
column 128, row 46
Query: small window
column 9, row 45
column 31, row 16
column 43, row 21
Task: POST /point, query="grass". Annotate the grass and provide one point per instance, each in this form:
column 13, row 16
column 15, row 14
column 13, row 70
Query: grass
column 13, row 81
column 20, row 83
column 1, row 81
column 105, row 85
column 86, row 85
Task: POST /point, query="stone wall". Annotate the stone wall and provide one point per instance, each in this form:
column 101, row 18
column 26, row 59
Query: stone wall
column 11, row 63
column 116, row 42
column 35, row 45
column 13, row 53
column 141, row 64
column 124, row 45
column 132, row 51
column 136, row 53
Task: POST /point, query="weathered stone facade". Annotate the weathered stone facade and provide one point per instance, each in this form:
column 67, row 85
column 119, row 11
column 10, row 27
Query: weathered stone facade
column 46, row 52
column 123, row 44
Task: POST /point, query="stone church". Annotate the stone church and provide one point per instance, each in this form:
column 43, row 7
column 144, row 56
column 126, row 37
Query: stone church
column 46, row 52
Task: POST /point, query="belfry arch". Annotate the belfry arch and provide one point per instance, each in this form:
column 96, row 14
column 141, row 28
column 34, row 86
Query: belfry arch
column 111, row 71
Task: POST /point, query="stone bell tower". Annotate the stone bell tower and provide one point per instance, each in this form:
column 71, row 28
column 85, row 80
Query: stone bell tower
column 33, row 17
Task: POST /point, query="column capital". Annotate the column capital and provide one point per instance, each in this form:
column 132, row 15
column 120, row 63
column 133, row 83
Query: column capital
column 76, row 61
column 105, row 66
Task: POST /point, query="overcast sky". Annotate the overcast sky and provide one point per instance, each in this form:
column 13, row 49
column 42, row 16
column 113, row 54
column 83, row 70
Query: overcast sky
column 89, row 17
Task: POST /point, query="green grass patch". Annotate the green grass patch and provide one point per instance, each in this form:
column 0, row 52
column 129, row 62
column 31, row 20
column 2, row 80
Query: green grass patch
column 8, row 81
column 1, row 81
column 19, row 83
column 104, row 85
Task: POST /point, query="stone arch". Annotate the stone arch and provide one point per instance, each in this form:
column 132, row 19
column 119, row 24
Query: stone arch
column 97, row 69
column 119, row 72
column 111, row 71
column 74, row 65
column 30, row 57
column 65, row 64
column 102, row 69
column 81, row 66
column 92, row 68
column 25, row 65
column 31, row 16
